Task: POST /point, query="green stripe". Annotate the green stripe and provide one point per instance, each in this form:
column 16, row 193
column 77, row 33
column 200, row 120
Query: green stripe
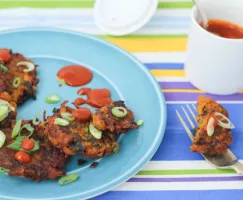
column 175, row 4
column 76, row 4
column 186, row 172
column 47, row 4
column 145, row 36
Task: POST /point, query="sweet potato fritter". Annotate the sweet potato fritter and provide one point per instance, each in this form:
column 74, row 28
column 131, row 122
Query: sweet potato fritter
column 28, row 80
column 46, row 163
column 219, row 142
column 104, row 120
column 76, row 138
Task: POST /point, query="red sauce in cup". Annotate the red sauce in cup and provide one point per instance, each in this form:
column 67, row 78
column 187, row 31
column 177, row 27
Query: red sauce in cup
column 225, row 29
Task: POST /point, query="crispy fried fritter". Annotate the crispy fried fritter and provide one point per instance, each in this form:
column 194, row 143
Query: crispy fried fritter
column 29, row 80
column 105, row 121
column 46, row 163
column 76, row 138
column 219, row 142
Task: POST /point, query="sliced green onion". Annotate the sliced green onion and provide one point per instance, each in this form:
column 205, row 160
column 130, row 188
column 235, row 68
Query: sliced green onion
column 4, row 68
column 3, row 112
column 3, row 170
column 210, row 126
column 68, row 179
column 94, row 131
column 2, row 139
column 17, row 128
column 140, row 122
column 228, row 124
column 67, row 116
column 53, row 98
column 36, row 120
column 29, row 128
column 61, row 122
column 119, row 112
column 30, row 66
column 16, row 82
column 10, row 108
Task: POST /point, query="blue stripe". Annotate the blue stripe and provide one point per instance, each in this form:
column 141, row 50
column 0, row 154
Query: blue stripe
column 175, row 145
column 88, row 18
column 172, row 195
column 165, row 65
column 69, row 24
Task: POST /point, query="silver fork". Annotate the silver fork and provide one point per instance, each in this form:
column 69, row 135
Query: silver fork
column 225, row 161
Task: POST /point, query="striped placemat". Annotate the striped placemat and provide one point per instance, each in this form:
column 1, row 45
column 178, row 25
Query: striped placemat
column 174, row 173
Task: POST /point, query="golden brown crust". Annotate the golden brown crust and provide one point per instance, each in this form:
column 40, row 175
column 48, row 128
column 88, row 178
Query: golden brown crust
column 219, row 142
column 76, row 138
column 105, row 121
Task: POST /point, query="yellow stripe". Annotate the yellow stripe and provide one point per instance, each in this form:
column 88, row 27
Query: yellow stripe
column 150, row 44
column 159, row 72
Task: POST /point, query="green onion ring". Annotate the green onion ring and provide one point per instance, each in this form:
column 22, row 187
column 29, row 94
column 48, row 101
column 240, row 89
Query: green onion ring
column 228, row 125
column 3, row 112
column 53, row 98
column 2, row 139
column 16, row 82
column 119, row 112
column 67, row 116
column 17, row 128
column 30, row 66
column 61, row 122
column 68, row 179
column 94, row 131
column 10, row 108
column 4, row 68
column 29, row 128
column 140, row 122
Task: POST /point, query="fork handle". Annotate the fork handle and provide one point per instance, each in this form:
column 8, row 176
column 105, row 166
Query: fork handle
column 238, row 167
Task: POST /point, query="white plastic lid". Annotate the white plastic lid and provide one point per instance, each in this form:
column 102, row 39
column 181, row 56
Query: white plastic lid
column 121, row 17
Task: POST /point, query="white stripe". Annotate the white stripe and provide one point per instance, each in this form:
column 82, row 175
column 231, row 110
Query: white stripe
column 178, row 165
column 172, row 79
column 151, row 186
column 175, row 0
column 186, row 176
column 159, row 57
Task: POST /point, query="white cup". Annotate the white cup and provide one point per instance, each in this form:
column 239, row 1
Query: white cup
column 215, row 64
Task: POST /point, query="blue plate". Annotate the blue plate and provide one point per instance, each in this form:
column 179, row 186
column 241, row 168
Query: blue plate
column 114, row 69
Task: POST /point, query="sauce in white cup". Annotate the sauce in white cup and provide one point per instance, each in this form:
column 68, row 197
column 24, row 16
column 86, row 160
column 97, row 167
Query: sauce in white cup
column 215, row 64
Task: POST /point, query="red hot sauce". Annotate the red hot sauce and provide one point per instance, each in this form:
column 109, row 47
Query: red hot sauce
column 96, row 98
column 75, row 75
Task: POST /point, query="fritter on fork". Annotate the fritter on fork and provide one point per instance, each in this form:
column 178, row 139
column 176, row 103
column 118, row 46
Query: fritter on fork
column 219, row 142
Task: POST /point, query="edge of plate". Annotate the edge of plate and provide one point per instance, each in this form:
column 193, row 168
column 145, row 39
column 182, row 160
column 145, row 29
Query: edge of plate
column 147, row 157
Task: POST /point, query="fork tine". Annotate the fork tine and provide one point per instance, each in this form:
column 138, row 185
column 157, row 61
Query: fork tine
column 188, row 118
column 192, row 113
column 189, row 133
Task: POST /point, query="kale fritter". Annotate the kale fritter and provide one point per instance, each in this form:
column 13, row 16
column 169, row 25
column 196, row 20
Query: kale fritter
column 9, row 71
column 104, row 120
column 219, row 142
column 46, row 163
column 76, row 138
